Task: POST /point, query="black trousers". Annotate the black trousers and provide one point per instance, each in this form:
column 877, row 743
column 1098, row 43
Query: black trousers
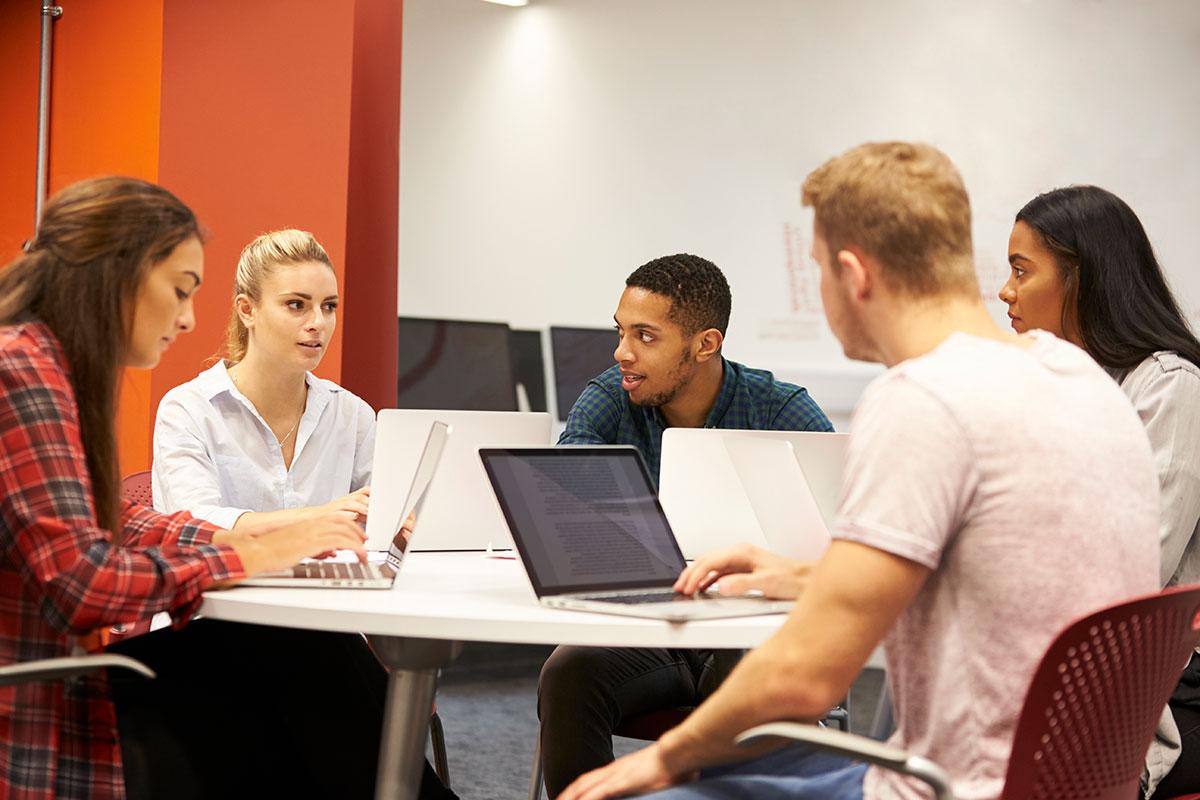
column 252, row 711
column 585, row 692
column 1184, row 777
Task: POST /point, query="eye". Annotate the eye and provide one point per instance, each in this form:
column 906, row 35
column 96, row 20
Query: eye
column 645, row 336
column 294, row 304
column 1017, row 272
column 331, row 307
column 181, row 294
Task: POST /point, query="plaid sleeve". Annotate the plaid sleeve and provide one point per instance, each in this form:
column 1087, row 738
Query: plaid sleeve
column 801, row 413
column 594, row 419
column 142, row 526
column 48, row 524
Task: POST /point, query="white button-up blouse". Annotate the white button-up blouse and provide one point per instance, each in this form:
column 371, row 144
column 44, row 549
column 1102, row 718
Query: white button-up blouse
column 216, row 457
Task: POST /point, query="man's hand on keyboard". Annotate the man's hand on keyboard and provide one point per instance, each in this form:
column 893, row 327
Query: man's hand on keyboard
column 743, row 570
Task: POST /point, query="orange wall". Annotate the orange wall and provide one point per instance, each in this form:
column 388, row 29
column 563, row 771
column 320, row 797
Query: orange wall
column 104, row 95
column 18, row 133
column 371, row 332
column 244, row 111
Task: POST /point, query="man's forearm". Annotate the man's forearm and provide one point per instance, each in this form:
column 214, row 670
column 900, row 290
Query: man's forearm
column 754, row 693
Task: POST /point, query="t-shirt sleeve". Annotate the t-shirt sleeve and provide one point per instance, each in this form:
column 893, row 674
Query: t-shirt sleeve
column 909, row 475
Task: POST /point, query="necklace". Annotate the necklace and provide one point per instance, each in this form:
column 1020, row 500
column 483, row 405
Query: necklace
column 286, row 436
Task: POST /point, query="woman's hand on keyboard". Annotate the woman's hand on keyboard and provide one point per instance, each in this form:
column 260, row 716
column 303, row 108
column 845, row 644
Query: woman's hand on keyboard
column 355, row 502
column 283, row 546
column 745, row 569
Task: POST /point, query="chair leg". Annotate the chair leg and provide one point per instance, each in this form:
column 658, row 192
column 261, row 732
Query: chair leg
column 437, row 737
column 535, row 774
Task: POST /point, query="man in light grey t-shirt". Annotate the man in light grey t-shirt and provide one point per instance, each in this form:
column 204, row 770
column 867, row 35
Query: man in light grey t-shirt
column 996, row 487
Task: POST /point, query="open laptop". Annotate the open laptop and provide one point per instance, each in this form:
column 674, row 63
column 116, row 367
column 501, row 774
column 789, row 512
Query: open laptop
column 592, row 536
column 314, row 573
column 774, row 489
column 460, row 512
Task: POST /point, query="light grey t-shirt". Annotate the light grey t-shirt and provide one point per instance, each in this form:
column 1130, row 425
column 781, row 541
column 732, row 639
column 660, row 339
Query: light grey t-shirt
column 1024, row 480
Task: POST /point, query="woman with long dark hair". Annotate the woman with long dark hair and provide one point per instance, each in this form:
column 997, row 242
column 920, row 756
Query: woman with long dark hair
column 1083, row 268
column 108, row 283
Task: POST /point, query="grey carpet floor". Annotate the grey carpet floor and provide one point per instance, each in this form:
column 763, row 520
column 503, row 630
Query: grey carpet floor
column 487, row 702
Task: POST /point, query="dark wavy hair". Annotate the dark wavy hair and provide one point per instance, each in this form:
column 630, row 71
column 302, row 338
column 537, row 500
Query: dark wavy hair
column 80, row 276
column 697, row 289
column 1124, row 309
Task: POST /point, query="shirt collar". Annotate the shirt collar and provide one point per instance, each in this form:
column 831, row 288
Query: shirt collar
column 725, row 396
column 729, row 380
column 215, row 380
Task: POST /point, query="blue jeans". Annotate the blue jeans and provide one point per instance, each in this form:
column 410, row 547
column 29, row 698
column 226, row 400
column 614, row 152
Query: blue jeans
column 793, row 773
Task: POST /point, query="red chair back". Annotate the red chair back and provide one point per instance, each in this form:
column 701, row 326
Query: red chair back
column 1096, row 697
column 136, row 488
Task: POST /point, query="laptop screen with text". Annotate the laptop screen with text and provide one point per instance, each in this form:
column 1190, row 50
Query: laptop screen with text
column 584, row 518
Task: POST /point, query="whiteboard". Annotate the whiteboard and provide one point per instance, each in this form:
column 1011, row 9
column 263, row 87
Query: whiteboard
column 547, row 151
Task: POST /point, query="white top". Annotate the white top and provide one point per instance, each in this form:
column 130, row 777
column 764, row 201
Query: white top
column 216, row 457
column 1165, row 392
column 471, row 597
column 1023, row 479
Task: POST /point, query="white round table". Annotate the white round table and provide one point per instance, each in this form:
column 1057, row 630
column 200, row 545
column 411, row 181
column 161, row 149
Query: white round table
column 440, row 600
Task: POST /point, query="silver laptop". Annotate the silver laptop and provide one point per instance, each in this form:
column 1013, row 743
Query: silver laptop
column 774, row 489
column 354, row 575
column 460, row 513
column 592, row 536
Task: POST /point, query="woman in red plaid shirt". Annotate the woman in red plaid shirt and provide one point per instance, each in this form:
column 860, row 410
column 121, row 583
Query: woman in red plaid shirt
column 108, row 283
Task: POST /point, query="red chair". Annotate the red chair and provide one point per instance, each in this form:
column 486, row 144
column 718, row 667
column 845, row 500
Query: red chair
column 1089, row 714
column 136, row 488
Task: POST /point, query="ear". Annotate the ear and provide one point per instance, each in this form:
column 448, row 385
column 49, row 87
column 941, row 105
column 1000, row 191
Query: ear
column 858, row 274
column 710, row 340
column 244, row 307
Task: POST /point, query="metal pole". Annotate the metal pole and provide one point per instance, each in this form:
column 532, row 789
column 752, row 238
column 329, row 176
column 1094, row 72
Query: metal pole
column 49, row 14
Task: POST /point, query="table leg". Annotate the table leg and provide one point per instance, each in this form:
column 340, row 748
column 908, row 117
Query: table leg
column 412, row 666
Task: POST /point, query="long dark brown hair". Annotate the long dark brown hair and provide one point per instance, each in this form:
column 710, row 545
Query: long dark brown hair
column 80, row 276
column 1124, row 307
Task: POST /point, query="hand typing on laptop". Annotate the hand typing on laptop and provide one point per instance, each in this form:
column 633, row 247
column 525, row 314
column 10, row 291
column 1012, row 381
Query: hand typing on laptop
column 744, row 570
column 266, row 548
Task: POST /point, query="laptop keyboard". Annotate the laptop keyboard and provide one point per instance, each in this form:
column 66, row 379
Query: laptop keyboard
column 339, row 571
column 637, row 599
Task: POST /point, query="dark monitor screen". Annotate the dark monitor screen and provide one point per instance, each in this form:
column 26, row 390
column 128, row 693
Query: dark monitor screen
column 579, row 355
column 450, row 364
column 528, row 367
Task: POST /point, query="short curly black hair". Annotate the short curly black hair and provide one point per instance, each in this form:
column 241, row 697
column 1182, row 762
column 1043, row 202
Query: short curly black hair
column 697, row 289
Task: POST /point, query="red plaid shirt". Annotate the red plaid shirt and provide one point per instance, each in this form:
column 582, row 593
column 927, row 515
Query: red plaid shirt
column 61, row 578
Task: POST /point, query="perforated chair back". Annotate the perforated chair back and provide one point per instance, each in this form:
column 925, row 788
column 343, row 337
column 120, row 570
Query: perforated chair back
column 1096, row 698
column 136, row 488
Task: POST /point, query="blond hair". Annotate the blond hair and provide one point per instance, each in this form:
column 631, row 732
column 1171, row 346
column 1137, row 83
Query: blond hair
column 256, row 263
column 903, row 204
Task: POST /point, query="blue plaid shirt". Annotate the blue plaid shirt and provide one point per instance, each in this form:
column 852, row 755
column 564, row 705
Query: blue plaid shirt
column 750, row 399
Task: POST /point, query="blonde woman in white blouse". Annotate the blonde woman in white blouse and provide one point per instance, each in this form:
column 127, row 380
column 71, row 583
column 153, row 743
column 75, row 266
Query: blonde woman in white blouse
column 1083, row 269
column 258, row 438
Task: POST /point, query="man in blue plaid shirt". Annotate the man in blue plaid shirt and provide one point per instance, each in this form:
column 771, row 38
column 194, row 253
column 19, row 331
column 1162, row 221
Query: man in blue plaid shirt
column 670, row 323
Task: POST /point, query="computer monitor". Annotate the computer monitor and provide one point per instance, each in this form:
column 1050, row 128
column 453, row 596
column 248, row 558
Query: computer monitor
column 578, row 355
column 529, row 368
column 453, row 364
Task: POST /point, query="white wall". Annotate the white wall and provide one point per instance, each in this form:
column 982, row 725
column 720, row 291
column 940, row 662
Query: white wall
column 547, row 151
